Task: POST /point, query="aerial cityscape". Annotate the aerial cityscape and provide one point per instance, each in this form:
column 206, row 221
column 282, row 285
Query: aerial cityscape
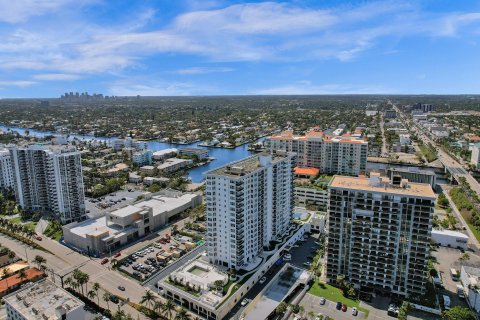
column 209, row 160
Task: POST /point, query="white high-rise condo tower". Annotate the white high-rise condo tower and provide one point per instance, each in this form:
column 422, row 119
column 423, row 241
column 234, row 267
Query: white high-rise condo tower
column 6, row 172
column 49, row 179
column 249, row 204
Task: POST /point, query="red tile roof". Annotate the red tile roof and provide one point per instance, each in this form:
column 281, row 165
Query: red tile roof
column 307, row 171
column 14, row 280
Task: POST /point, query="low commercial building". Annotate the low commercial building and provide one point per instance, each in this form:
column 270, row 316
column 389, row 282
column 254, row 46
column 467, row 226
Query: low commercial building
column 134, row 178
column 149, row 170
column 148, row 181
column 475, row 159
column 121, row 226
column 174, row 164
column 306, row 172
column 449, row 238
column 318, row 221
column 201, row 154
column 12, row 283
column 164, row 154
column 413, row 175
column 43, row 300
column 470, row 278
column 310, row 195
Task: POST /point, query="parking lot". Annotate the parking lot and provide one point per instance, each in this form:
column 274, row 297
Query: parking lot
column 312, row 303
column 111, row 201
column 303, row 251
column 149, row 260
column 448, row 258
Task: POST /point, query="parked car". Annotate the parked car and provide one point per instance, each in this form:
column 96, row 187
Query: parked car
column 339, row 305
column 244, row 302
column 262, row 280
column 322, row 300
column 287, row 256
column 114, row 298
column 38, row 238
column 117, row 255
column 344, row 307
column 104, row 261
column 354, row 311
column 121, row 288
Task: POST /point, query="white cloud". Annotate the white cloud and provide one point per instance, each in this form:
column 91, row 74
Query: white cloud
column 265, row 31
column 305, row 87
column 16, row 83
column 202, row 70
column 20, row 10
column 133, row 87
column 56, row 77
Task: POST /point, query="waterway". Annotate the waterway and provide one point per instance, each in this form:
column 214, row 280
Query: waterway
column 222, row 156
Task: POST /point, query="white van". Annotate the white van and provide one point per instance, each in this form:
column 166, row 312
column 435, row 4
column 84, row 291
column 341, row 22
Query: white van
column 460, row 291
column 446, row 302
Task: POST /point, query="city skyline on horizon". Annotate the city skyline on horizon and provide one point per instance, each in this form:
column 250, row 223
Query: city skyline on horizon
column 224, row 48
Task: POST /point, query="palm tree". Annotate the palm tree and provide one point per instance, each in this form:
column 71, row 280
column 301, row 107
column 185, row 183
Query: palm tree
column 148, row 298
column 22, row 275
column 91, row 294
column 68, row 281
column 158, row 307
column 168, row 308
column 39, row 261
column 106, row 298
column 96, row 286
column 5, row 273
column 182, row 314
column 119, row 315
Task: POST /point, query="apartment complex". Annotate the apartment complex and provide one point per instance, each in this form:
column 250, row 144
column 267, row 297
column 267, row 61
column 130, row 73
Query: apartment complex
column 6, row 172
column 346, row 155
column 43, row 300
column 249, row 203
column 379, row 233
column 49, row 179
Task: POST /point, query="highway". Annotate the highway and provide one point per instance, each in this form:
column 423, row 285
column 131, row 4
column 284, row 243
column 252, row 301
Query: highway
column 452, row 165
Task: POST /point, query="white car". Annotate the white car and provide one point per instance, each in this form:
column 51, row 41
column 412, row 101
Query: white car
column 322, row 300
column 244, row 302
column 287, row 256
column 262, row 280
column 354, row 311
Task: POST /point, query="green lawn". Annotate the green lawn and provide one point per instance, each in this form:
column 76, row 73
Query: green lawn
column 31, row 224
column 334, row 294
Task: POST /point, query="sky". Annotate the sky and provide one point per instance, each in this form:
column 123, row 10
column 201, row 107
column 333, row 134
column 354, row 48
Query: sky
column 216, row 47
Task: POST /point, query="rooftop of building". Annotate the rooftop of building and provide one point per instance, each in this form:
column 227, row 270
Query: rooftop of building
column 43, row 300
column 249, row 164
column 126, row 211
column 450, row 233
column 15, row 279
column 307, row 171
column 14, row 267
column 192, row 150
column 319, row 135
column 382, row 185
column 413, row 170
column 165, row 151
column 171, row 162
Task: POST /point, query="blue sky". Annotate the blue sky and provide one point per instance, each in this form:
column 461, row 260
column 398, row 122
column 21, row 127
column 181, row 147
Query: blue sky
column 215, row 47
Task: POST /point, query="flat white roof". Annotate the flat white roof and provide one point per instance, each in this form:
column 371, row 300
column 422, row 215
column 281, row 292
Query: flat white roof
column 450, row 233
column 90, row 226
column 165, row 151
column 41, row 300
column 161, row 204
column 126, row 211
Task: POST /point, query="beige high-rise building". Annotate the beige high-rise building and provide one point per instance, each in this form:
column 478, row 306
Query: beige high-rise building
column 346, row 155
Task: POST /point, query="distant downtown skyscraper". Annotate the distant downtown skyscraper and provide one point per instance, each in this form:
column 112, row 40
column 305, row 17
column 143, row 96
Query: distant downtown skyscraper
column 379, row 233
column 249, row 203
column 49, row 179
column 346, row 155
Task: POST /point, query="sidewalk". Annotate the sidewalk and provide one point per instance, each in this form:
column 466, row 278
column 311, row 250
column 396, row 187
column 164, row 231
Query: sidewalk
column 472, row 238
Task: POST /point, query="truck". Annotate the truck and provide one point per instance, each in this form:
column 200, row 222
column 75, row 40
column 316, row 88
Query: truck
column 446, row 302
column 454, row 274
column 460, row 291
